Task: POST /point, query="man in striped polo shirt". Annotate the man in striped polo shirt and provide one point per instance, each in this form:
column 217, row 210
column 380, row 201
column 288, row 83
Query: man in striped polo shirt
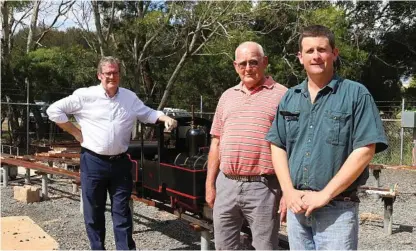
column 241, row 182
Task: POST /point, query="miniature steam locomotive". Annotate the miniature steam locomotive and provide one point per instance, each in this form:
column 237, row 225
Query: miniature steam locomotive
column 172, row 166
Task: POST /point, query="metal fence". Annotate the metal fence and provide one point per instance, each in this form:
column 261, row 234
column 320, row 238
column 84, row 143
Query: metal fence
column 400, row 140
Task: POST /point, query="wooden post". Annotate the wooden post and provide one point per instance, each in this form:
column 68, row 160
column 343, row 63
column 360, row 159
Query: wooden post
column 388, row 215
column 376, row 174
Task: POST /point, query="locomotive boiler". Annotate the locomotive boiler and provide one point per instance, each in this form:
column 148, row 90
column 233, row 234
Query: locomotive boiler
column 171, row 167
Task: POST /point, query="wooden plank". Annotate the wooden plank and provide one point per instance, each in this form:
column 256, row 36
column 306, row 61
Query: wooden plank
column 384, row 192
column 60, row 155
column 376, row 167
column 40, row 167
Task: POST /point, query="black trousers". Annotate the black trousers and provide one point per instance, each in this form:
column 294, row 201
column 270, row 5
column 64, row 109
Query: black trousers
column 99, row 176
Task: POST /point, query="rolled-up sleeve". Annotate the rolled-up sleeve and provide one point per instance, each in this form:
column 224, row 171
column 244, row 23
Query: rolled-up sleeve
column 57, row 112
column 277, row 132
column 368, row 127
column 144, row 113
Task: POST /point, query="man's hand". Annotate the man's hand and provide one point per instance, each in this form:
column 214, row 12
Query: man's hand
column 210, row 193
column 78, row 136
column 293, row 199
column 170, row 123
column 72, row 129
column 282, row 210
column 315, row 200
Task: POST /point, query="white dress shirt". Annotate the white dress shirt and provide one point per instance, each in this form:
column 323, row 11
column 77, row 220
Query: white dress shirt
column 106, row 123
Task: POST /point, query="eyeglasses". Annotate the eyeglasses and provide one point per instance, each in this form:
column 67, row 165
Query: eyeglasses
column 109, row 74
column 251, row 64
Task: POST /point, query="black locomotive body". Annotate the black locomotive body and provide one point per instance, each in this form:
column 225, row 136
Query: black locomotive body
column 171, row 167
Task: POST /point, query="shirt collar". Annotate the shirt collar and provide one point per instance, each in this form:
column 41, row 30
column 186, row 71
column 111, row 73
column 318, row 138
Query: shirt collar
column 268, row 83
column 333, row 85
column 102, row 90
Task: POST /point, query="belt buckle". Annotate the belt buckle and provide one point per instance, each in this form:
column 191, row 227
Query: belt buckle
column 114, row 157
column 347, row 198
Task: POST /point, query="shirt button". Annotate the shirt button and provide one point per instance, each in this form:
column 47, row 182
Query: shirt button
column 311, row 126
column 309, row 140
column 305, row 169
column 308, row 153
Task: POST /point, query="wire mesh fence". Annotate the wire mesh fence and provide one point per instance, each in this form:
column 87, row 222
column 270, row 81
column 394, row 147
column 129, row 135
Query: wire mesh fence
column 400, row 140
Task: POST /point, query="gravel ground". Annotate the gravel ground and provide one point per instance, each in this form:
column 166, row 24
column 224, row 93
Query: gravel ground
column 155, row 229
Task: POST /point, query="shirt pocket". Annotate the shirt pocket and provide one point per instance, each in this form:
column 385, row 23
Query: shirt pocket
column 292, row 124
column 338, row 127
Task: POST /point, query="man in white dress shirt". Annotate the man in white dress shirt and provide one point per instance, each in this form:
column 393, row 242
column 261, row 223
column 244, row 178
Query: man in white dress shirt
column 106, row 114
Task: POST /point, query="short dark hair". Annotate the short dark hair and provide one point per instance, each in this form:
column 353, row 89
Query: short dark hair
column 107, row 60
column 317, row 31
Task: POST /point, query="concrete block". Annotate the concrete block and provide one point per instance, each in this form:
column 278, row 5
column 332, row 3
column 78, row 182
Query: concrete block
column 26, row 193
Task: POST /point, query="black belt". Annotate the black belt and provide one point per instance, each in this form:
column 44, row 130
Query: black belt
column 248, row 178
column 347, row 196
column 104, row 157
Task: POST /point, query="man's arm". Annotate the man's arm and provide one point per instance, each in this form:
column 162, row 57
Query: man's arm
column 292, row 196
column 213, row 169
column 71, row 129
column 355, row 164
column 57, row 112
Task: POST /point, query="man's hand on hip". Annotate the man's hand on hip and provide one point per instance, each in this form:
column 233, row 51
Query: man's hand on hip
column 78, row 137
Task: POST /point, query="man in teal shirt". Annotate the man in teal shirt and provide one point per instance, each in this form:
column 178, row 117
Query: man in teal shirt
column 326, row 131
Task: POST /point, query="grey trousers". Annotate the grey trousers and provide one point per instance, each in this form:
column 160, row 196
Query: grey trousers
column 257, row 202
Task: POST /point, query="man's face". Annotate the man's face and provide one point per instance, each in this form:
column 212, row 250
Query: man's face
column 109, row 76
column 317, row 56
column 250, row 65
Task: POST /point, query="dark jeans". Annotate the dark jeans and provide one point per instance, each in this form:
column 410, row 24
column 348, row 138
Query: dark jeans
column 97, row 177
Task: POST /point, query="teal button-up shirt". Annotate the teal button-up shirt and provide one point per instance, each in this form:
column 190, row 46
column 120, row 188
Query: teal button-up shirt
column 319, row 137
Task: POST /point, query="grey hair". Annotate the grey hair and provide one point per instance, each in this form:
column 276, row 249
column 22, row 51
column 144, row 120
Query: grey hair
column 259, row 47
column 107, row 60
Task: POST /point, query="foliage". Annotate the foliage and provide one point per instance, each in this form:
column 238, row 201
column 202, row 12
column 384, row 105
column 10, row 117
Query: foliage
column 186, row 48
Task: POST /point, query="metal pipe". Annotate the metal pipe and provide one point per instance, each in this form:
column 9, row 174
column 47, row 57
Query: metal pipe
column 205, row 240
column 44, row 186
column 401, row 137
column 27, row 118
column 16, row 103
column 201, row 106
column 81, row 203
column 27, row 176
column 5, row 175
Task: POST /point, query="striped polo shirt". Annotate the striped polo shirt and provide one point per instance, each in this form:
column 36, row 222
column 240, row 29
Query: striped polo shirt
column 242, row 121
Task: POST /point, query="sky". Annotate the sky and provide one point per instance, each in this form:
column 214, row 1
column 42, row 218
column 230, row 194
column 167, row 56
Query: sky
column 49, row 10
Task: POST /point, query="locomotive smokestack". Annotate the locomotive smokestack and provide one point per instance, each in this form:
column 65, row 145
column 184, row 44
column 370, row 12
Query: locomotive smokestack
column 195, row 137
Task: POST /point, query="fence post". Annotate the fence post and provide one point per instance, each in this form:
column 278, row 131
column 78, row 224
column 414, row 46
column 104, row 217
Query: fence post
column 401, row 136
column 201, row 106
